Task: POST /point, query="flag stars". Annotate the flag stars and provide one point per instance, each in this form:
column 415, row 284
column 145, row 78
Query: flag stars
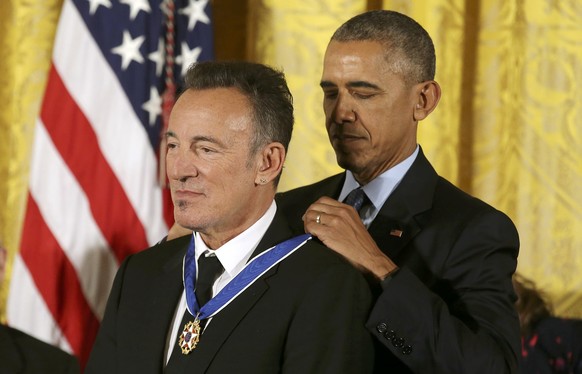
column 153, row 106
column 158, row 57
column 187, row 56
column 195, row 13
column 135, row 6
column 129, row 50
column 94, row 4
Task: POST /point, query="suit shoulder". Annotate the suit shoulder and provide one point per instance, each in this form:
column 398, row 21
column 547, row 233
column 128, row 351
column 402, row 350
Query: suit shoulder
column 314, row 256
column 313, row 191
column 153, row 259
column 162, row 251
column 453, row 200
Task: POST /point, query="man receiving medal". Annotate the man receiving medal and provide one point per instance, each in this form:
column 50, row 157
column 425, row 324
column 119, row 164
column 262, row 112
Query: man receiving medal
column 241, row 294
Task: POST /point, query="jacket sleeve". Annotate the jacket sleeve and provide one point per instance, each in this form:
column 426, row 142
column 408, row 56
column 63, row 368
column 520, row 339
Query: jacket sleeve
column 472, row 327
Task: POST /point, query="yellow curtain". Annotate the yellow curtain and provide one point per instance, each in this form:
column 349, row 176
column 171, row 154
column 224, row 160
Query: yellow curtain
column 527, row 136
column 507, row 129
column 26, row 36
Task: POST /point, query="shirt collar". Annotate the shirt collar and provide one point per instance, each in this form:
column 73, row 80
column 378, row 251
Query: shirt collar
column 380, row 188
column 234, row 254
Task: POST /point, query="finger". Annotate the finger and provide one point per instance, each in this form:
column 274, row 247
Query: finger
column 313, row 216
column 337, row 209
column 325, row 203
column 317, row 227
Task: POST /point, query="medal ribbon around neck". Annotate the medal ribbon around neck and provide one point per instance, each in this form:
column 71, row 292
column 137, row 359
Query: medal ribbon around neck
column 248, row 275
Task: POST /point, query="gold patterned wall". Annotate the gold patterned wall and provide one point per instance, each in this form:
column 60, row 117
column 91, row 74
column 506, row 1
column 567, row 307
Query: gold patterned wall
column 293, row 35
column 527, row 94
column 26, row 37
column 508, row 128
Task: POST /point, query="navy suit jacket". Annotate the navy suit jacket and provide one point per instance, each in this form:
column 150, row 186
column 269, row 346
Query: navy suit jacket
column 21, row 353
column 450, row 308
column 304, row 315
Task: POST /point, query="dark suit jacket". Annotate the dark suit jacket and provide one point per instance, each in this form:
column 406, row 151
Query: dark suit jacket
column 305, row 315
column 22, row 354
column 450, row 308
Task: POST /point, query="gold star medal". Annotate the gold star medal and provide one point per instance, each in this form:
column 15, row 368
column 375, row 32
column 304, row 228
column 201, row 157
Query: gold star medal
column 190, row 336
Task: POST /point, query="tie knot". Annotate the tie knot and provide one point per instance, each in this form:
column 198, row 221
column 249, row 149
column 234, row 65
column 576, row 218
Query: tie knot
column 356, row 198
column 209, row 269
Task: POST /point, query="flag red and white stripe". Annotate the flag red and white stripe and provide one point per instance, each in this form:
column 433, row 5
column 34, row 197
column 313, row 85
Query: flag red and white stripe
column 94, row 193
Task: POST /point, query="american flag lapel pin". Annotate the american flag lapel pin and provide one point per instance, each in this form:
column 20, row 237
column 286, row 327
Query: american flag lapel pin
column 396, row 232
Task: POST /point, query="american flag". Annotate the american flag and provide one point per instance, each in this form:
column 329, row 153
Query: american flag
column 95, row 193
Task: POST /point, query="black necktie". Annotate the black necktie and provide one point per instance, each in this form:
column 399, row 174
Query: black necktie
column 356, row 198
column 209, row 269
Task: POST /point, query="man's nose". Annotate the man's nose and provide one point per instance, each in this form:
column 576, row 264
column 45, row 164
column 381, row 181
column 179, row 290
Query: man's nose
column 344, row 110
column 181, row 166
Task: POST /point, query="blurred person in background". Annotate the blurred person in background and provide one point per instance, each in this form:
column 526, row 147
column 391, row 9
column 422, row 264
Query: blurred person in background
column 21, row 353
column 549, row 344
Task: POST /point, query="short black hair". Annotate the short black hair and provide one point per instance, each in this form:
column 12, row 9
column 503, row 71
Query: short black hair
column 407, row 45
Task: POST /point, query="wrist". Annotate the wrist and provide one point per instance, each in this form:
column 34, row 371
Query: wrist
column 384, row 268
column 389, row 274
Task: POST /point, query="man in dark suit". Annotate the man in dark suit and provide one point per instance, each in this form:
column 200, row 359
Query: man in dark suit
column 21, row 353
column 440, row 260
column 296, row 306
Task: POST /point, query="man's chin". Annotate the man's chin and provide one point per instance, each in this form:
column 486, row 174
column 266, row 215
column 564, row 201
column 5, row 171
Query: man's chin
column 188, row 224
column 183, row 213
column 348, row 163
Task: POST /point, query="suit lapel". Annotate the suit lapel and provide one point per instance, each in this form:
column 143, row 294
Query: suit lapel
column 226, row 320
column 403, row 215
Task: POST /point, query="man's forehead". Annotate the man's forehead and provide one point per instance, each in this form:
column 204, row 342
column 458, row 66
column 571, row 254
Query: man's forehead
column 358, row 64
column 354, row 49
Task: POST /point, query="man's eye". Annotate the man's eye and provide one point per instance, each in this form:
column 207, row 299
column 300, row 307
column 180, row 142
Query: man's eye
column 171, row 145
column 330, row 95
column 206, row 150
column 364, row 96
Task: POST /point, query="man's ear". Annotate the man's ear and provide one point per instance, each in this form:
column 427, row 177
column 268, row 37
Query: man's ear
column 428, row 96
column 271, row 163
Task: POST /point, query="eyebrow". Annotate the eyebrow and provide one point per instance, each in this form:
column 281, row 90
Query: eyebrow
column 353, row 84
column 198, row 138
column 210, row 139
